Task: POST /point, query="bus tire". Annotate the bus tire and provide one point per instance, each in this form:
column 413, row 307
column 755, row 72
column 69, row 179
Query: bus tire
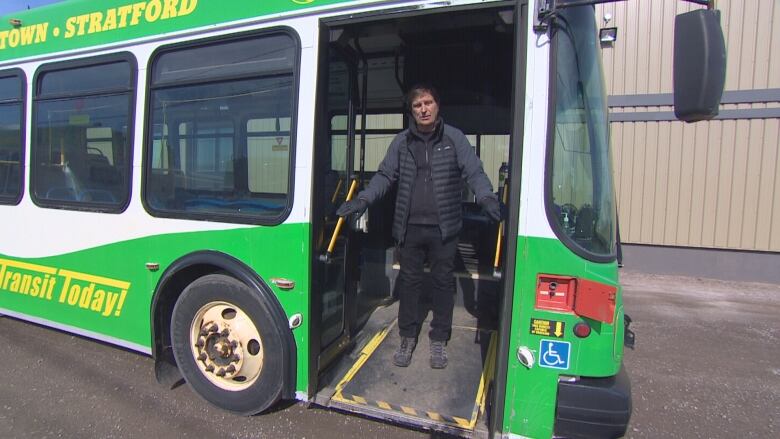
column 227, row 346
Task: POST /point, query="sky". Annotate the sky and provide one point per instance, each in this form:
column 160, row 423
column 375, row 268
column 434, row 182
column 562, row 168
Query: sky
column 9, row 6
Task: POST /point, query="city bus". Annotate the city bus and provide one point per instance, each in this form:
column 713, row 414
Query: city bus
column 170, row 171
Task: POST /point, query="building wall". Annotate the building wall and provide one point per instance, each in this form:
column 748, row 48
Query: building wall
column 712, row 184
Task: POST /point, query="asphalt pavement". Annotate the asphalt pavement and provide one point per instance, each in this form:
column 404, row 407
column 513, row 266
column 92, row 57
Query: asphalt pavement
column 706, row 365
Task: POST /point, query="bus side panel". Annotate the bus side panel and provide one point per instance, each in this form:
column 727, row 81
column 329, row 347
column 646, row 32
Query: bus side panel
column 103, row 292
column 531, row 393
column 272, row 252
column 106, row 292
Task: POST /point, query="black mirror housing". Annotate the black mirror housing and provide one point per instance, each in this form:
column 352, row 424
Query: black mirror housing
column 699, row 65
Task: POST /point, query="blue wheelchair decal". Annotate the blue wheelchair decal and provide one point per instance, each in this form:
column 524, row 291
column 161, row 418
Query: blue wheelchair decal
column 554, row 354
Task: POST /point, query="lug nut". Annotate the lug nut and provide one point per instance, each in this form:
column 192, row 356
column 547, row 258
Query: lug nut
column 204, row 332
column 225, row 332
column 214, row 328
column 233, row 344
column 221, row 372
column 202, row 356
column 235, row 357
column 230, row 369
column 210, row 368
column 200, row 343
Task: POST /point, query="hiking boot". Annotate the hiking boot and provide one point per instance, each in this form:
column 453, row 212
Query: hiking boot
column 438, row 354
column 403, row 356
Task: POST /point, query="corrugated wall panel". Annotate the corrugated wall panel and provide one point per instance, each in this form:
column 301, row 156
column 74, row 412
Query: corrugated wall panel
column 711, row 184
column 662, row 181
column 712, row 180
column 767, row 192
column 670, row 225
column 738, row 175
column 752, row 178
column 724, row 184
column 774, row 48
column 698, row 186
column 774, row 239
column 641, row 60
column 684, row 188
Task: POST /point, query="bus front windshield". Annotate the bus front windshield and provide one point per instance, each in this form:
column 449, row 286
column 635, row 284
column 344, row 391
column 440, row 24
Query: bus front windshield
column 581, row 202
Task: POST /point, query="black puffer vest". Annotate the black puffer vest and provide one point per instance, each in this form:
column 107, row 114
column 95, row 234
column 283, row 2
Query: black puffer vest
column 453, row 160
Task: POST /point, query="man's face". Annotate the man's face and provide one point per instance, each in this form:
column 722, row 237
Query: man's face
column 425, row 111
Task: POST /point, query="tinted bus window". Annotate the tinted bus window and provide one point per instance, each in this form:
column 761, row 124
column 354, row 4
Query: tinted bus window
column 82, row 136
column 221, row 117
column 265, row 55
column 11, row 140
column 85, row 80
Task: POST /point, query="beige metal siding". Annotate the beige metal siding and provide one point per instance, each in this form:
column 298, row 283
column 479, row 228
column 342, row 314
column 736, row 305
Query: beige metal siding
column 711, row 184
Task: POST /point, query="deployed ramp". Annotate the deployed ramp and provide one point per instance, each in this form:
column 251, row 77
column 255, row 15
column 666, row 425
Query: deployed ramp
column 449, row 399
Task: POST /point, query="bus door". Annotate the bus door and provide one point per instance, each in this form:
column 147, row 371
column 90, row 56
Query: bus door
column 388, row 55
column 337, row 299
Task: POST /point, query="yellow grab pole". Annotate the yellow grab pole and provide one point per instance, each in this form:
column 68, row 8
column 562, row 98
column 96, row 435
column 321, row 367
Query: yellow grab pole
column 336, row 192
column 340, row 222
column 497, row 259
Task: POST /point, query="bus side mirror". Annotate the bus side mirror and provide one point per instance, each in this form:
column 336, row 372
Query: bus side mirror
column 699, row 65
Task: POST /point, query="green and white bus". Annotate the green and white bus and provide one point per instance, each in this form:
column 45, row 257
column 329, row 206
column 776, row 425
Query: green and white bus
column 170, row 169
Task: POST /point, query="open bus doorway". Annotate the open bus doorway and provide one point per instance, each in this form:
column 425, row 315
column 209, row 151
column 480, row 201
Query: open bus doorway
column 366, row 67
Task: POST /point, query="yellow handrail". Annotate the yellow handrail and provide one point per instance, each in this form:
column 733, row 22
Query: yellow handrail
column 336, row 192
column 497, row 259
column 340, row 222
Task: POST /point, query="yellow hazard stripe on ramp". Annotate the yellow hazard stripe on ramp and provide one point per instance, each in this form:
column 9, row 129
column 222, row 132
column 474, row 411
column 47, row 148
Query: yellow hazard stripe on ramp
column 463, row 423
column 455, row 421
column 409, row 410
column 485, row 380
column 364, row 354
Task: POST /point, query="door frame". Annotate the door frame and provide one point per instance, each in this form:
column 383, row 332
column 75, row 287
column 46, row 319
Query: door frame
column 321, row 356
column 510, row 243
column 512, row 226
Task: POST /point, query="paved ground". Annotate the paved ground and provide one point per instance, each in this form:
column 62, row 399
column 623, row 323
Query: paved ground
column 706, row 364
column 707, row 358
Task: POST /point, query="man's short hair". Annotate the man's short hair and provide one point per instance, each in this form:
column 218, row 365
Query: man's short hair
column 418, row 90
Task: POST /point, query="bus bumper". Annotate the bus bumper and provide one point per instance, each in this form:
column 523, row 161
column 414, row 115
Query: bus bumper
column 594, row 407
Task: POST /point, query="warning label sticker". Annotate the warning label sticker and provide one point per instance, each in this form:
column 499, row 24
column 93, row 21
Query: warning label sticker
column 547, row 328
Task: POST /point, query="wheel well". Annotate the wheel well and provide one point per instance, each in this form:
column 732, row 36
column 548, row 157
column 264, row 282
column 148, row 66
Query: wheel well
column 168, row 292
column 176, row 278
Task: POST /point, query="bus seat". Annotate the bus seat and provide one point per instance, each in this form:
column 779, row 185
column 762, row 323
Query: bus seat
column 585, row 224
column 162, row 188
column 61, row 193
column 97, row 196
column 51, row 183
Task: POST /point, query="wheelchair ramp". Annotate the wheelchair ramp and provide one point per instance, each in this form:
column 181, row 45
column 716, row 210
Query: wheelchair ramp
column 449, row 399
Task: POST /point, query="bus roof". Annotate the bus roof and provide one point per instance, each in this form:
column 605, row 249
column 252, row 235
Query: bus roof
column 77, row 24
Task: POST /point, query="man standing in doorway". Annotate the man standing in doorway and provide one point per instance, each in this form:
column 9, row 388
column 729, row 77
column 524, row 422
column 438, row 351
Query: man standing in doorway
column 429, row 162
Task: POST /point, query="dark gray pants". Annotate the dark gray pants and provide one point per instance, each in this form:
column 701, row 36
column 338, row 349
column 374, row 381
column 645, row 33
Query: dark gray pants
column 425, row 241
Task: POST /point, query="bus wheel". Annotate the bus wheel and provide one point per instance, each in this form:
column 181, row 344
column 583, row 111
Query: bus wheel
column 227, row 346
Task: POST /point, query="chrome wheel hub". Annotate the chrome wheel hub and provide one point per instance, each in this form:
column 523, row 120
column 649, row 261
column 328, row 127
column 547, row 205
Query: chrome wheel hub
column 226, row 346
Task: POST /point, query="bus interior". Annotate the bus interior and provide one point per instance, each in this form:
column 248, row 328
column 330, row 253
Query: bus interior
column 366, row 65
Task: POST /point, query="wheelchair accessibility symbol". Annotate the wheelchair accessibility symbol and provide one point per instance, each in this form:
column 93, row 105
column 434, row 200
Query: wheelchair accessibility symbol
column 554, row 354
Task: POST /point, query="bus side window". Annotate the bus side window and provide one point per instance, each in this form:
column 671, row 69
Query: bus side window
column 221, row 146
column 80, row 140
column 11, row 145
